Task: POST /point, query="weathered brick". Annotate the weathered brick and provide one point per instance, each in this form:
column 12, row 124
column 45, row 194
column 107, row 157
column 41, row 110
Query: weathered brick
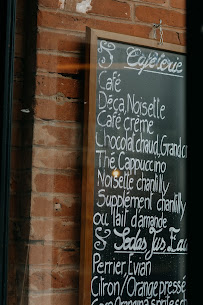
column 56, row 110
column 79, row 23
column 53, row 298
column 153, row 15
column 111, row 8
column 59, row 64
column 55, row 205
column 49, row 3
column 47, row 40
column 48, row 86
column 181, row 4
column 52, row 255
column 55, row 158
column 56, row 183
column 58, row 278
column 70, row 5
column 58, row 134
column 54, row 230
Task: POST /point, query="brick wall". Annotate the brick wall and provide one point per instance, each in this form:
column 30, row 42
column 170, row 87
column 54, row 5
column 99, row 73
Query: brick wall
column 47, row 142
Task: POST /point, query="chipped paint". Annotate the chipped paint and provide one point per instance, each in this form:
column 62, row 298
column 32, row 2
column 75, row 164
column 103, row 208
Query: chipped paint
column 84, row 6
column 62, row 4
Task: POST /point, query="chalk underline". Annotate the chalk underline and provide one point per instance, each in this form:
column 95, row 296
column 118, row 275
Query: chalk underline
column 144, row 252
column 151, row 71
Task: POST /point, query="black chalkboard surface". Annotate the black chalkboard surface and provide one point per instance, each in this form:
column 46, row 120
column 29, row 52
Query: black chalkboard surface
column 133, row 238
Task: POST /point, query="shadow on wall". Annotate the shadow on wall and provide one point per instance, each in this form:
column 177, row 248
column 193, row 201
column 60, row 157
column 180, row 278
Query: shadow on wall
column 21, row 151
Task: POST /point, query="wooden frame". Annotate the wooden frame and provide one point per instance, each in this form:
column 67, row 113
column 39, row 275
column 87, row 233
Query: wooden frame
column 89, row 146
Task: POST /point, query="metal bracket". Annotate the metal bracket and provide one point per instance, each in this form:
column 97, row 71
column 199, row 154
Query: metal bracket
column 155, row 27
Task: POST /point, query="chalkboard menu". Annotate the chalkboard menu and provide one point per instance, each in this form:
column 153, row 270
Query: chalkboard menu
column 133, row 238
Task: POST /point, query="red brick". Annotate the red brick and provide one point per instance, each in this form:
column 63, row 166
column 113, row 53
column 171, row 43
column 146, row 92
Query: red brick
column 54, row 110
column 153, row 15
column 79, row 23
column 59, row 64
column 53, row 85
column 49, row 3
column 110, row 8
column 52, row 255
column 56, row 158
column 56, row 183
column 56, row 205
column 54, row 230
column 63, row 298
column 181, row 4
column 68, row 256
column 65, row 278
column 47, row 40
column 173, row 37
column 57, row 278
column 58, row 134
